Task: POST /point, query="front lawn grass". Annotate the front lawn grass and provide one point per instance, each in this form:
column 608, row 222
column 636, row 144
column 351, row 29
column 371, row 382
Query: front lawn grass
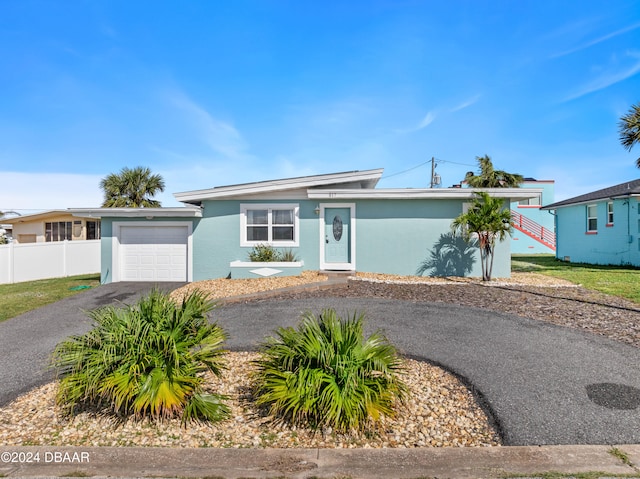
column 622, row 281
column 19, row 298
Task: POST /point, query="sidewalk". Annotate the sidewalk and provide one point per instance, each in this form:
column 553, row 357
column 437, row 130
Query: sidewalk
column 493, row 462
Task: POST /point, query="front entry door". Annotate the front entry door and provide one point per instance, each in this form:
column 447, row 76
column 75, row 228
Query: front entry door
column 337, row 237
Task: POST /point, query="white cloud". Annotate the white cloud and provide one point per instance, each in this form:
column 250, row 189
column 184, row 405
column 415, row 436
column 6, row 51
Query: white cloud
column 597, row 40
column 465, row 104
column 426, row 121
column 222, row 137
column 607, row 79
column 431, row 115
column 32, row 192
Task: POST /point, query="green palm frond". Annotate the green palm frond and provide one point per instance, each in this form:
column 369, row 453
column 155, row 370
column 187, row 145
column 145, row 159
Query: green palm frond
column 326, row 373
column 131, row 188
column 629, row 129
column 489, row 177
column 145, row 360
column 486, row 222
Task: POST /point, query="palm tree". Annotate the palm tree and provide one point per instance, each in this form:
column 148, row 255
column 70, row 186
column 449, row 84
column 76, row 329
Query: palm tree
column 629, row 128
column 327, row 373
column 487, row 221
column 490, row 177
column 131, row 188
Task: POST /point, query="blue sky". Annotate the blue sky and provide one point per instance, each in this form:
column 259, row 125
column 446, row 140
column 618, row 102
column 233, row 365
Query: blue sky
column 210, row 93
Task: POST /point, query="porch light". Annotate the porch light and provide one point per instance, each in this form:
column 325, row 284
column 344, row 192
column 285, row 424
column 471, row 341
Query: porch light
column 317, row 210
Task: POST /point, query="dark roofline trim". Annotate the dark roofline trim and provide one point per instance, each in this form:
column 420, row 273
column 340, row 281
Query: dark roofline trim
column 622, row 190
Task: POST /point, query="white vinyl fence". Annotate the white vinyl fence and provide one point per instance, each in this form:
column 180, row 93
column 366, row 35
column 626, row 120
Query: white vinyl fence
column 31, row 261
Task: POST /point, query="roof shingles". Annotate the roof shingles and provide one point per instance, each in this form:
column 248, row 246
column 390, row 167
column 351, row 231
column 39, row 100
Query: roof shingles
column 628, row 188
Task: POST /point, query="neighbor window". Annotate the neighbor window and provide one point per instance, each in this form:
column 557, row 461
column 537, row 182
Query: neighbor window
column 610, row 213
column 57, row 231
column 274, row 224
column 530, row 202
column 592, row 218
column 93, row 230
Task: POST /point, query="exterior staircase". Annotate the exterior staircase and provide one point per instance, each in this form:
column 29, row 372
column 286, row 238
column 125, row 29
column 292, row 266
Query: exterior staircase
column 533, row 230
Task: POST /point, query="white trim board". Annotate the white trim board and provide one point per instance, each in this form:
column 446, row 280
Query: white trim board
column 351, row 266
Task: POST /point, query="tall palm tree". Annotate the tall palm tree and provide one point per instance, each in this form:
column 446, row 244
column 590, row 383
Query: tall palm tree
column 131, row 188
column 629, row 128
column 490, row 177
column 488, row 222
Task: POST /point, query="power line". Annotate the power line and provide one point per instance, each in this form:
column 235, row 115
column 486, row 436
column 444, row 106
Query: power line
column 455, row 163
column 405, row 171
column 425, row 163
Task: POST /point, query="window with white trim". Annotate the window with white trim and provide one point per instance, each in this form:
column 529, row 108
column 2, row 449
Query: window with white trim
column 57, row 231
column 273, row 224
column 592, row 218
column 610, row 213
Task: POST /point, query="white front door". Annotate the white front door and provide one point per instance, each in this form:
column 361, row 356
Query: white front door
column 337, row 237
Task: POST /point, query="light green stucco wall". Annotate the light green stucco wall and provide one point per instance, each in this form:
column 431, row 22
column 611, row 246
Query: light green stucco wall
column 615, row 244
column 398, row 236
column 392, row 236
column 216, row 238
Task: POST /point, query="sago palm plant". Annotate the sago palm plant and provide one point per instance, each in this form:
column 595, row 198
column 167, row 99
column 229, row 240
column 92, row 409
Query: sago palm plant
column 145, row 360
column 326, row 374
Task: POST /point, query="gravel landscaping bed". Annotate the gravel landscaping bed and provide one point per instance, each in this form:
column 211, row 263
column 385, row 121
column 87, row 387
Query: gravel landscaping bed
column 440, row 411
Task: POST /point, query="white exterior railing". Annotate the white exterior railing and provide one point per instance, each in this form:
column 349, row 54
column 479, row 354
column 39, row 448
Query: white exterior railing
column 31, row 261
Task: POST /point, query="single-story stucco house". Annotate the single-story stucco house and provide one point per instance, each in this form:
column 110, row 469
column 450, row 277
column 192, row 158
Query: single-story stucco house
column 51, row 226
column 336, row 222
column 601, row 227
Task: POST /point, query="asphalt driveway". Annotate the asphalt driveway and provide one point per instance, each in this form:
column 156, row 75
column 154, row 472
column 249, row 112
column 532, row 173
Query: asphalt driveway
column 27, row 341
column 544, row 384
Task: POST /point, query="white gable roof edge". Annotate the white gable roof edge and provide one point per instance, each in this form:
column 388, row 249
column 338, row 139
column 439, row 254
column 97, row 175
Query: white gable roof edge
column 370, row 176
column 514, row 194
column 173, row 212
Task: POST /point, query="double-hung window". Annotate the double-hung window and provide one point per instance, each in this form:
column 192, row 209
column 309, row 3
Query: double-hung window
column 592, row 218
column 610, row 213
column 273, row 224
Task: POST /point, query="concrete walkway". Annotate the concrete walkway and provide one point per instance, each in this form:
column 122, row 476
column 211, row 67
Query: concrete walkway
column 459, row 463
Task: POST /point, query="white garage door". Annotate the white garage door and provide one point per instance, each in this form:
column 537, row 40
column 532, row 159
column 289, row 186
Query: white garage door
column 153, row 253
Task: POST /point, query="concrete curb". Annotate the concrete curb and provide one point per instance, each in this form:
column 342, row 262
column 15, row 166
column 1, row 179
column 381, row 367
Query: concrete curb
column 490, row 462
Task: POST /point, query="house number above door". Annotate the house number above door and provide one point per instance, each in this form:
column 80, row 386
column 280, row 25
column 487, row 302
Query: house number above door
column 337, row 227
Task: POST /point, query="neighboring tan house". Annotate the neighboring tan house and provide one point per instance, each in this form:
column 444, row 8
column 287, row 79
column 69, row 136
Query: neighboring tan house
column 332, row 222
column 54, row 225
column 601, row 227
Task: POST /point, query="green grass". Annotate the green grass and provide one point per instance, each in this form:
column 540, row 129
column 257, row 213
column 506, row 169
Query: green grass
column 622, row 281
column 573, row 475
column 623, row 456
column 19, row 298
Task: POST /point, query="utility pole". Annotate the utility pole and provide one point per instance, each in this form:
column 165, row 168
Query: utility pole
column 435, row 178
